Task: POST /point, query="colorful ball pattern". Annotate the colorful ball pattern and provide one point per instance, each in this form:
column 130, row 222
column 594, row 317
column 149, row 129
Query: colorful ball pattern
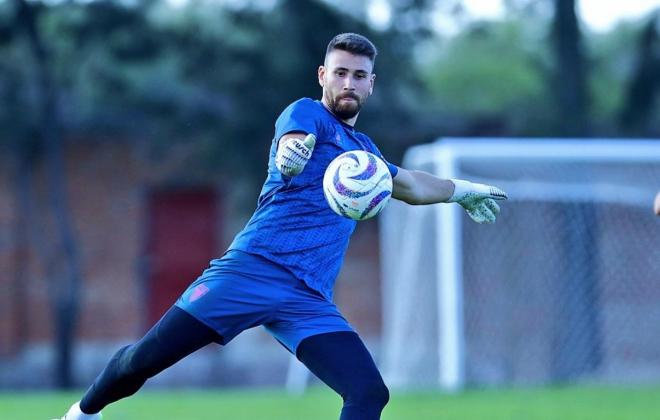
column 357, row 185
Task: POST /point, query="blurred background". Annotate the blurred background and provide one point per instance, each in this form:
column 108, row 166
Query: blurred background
column 135, row 137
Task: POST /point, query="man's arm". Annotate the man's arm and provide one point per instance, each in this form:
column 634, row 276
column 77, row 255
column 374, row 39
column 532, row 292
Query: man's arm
column 478, row 200
column 418, row 187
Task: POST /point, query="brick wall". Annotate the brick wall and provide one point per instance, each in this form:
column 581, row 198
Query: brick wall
column 107, row 187
column 105, row 196
column 7, row 256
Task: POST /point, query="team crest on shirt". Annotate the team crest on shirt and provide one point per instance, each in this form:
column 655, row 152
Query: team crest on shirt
column 198, row 292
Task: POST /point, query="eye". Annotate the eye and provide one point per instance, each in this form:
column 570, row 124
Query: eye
column 341, row 73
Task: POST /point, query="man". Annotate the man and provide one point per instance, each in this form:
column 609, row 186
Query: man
column 280, row 270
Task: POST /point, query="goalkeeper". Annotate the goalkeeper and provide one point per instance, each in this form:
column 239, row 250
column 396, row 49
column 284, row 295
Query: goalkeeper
column 280, row 270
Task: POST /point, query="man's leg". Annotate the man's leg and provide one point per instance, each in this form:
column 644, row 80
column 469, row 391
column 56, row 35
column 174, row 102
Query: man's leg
column 174, row 337
column 341, row 360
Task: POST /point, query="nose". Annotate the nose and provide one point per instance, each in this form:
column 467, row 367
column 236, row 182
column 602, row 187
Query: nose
column 348, row 84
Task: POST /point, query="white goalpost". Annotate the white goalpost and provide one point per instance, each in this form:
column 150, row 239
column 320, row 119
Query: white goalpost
column 563, row 288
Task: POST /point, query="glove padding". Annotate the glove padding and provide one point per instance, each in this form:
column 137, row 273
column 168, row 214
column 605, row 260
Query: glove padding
column 293, row 155
column 478, row 200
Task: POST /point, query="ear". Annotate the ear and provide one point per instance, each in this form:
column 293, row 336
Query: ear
column 371, row 84
column 321, row 75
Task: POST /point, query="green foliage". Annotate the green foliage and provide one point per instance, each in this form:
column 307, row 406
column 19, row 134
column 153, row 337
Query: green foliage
column 204, row 77
column 493, row 68
column 485, row 70
column 502, row 70
column 208, row 80
column 612, row 61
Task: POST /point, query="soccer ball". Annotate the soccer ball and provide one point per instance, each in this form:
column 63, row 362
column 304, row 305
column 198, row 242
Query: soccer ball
column 357, row 185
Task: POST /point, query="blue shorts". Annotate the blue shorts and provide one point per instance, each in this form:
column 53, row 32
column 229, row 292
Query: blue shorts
column 240, row 291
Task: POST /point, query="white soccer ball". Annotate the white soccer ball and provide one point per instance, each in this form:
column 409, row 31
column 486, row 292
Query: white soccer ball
column 357, row 185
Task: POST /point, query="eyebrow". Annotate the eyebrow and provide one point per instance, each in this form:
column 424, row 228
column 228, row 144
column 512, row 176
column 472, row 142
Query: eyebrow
column 348, row 70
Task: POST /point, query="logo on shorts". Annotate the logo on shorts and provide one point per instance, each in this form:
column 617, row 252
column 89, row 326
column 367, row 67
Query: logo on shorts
column 198, row 292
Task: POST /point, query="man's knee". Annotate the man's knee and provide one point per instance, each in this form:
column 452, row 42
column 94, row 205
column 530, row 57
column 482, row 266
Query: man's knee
column 373, row 394
column 119, row 363
column 133, row 361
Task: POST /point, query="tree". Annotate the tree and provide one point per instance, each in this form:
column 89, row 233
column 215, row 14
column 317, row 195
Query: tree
column 491, row 71
column 575, row 353
column 569, row 71
column 644, row 86
column 66, row 280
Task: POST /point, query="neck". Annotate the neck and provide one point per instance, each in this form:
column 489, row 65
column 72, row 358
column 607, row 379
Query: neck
column 350, row 121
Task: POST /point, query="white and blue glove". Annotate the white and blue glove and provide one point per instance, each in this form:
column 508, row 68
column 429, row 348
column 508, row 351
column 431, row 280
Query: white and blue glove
column 293, row 154
column 478, row 200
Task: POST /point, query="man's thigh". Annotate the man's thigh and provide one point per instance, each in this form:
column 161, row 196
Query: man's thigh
column 237, row 292
column 304, row 313
column 341, row 360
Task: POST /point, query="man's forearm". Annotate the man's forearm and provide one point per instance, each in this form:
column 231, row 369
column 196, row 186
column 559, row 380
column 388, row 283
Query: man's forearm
column 430, row 189
column 478, row 200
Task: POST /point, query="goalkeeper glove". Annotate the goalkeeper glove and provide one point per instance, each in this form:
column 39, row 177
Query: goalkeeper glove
column 478, row 200
column 292, row 156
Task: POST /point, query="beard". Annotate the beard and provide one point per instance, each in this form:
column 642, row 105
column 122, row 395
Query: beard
column 342, row 109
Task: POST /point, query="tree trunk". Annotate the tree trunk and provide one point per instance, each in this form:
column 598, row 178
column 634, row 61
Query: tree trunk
column 644, row 85
column 577, row 341
column 569, row 78
column 67, row 282
column 20, row 239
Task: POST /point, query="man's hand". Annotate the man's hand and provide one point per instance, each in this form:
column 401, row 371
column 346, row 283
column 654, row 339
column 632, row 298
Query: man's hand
column 293, row 154
column 478, row 200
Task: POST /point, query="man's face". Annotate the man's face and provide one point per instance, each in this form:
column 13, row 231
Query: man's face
column 347, row 82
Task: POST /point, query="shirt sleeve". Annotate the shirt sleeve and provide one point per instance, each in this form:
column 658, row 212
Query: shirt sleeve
column 394, row 170
column 302, row 116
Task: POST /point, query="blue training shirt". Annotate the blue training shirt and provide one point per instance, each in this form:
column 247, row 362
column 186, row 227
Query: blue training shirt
column 293, row 225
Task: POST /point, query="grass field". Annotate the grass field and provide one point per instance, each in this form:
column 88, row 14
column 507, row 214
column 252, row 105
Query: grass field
column 320, row 404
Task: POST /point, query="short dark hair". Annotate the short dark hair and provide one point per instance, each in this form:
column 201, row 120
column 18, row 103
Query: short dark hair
column 353, row 43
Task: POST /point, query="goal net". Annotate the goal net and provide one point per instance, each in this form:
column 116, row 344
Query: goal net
column 564, row 287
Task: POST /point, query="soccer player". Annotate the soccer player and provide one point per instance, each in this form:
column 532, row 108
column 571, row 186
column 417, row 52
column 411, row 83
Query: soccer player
column 280, row 270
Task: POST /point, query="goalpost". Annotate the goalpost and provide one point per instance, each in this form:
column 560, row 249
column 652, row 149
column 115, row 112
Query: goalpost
column 564, row 287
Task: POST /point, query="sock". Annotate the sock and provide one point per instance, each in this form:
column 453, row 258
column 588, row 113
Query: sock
column 75, row 413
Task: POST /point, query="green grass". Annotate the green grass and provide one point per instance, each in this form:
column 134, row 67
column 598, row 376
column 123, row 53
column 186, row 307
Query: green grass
column 571, row 403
